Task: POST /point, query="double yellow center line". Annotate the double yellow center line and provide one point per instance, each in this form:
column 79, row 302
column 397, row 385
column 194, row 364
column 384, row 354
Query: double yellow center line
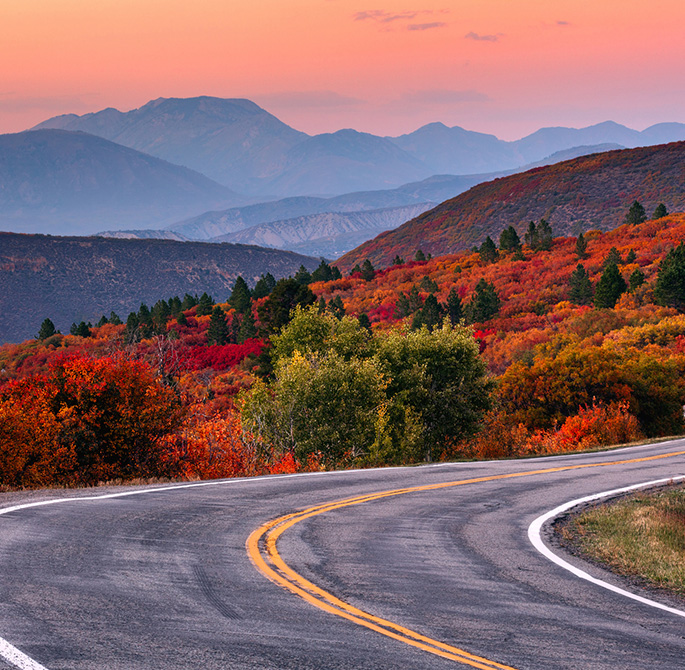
column 261, row 547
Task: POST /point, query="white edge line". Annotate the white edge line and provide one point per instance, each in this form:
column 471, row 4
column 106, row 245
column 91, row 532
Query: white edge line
column 534, row 535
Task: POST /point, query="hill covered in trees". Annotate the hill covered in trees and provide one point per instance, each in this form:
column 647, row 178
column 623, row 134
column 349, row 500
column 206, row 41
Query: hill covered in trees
column 80, row 278
column 591, row 192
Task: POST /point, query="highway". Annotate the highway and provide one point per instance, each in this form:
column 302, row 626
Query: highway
column 425, row 567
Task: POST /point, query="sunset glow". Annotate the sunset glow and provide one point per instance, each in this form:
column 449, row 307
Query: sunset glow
column 386, row 67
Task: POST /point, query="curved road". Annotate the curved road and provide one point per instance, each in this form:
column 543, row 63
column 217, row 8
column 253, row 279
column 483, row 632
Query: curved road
column 163, row 578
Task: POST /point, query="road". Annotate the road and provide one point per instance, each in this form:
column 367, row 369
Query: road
column 163, row 579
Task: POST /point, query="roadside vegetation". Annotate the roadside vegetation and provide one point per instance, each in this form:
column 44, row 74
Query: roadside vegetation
column 531, row 345
column 641, row 536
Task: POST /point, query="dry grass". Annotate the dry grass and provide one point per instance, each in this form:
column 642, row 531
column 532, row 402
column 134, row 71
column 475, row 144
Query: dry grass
column 641, row 536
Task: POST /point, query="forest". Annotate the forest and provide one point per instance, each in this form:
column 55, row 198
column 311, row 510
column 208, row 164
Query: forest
column 528, row 344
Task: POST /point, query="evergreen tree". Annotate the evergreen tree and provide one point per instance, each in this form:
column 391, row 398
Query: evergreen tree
column 218, row 331
column 47, row 329
column 321, row 305
column 189, row 301
column 175, row 306
column 428, row 285
column 145, row 325
column 545, row 235
column 402, row 308
column 485, row 302
column 636, row 279
column 336, row 307
column 248, row 329
column 81, row 329
column 274, row 312
column 160, row 315
column 509, row 240
column 114, row 319
column 488, row 251
column 430, row 315
column 455, row 310
column 265, row 284
column 240, row 298
column 631, row 257
column 531, row 237
column 181, row 319
column 415, row 301
column 205, row 305
column 581, row 291
column 132, row 331
column 323, row 273
column 355, row 270
column 103, row 321
column 364, row 321
column 609, row 288
column 302, row 276
column 419, row 256
column 612, row 258
column 636, row 214
column 368, row 271
column 398, row 260
column 581, row 247
column 670, row 282
column 660, row 212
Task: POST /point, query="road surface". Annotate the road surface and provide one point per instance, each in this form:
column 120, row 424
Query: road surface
column 170, row 579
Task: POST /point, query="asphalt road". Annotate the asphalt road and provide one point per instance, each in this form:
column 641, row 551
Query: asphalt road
column 162, row 579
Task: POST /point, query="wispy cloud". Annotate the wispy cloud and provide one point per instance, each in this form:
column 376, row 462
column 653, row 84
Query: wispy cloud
column 386, row 19
column 563, row 23
column 483, row 38
column 309, row 99
column 18, row 104
column 426, row 26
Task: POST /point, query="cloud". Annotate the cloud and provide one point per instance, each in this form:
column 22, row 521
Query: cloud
column 439, row 96
column 426, row 26
column 18, row 104
column 309, row 99
column 563, row 23
column 483, row 38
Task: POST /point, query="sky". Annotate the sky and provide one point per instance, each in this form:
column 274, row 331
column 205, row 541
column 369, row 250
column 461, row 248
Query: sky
column 506, row 67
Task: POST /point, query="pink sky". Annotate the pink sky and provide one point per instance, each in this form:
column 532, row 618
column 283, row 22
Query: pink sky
column 384, row 66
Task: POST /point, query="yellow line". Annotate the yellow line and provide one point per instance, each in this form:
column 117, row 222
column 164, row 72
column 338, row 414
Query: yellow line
column 261, row 546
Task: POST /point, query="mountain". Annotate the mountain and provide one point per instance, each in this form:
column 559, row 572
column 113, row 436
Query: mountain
column 593, row 191
column 56, row 179
column 329, row 234
column 71, row 279
column 233, row 141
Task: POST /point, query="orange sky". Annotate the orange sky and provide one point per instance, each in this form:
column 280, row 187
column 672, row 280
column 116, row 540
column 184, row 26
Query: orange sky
column 383, row 66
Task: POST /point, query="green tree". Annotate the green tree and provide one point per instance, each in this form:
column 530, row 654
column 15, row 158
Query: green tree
column 274, row 312
column 265, row 284
column 205, row 305
column 509, row 240
column 485, row 303
column 240, row 298
column 398, row 260
column 303, row 277
column 189, row 301
column 114, row 319
column 415, row 301
column 670, row 282
column 248, row 328
column 545, row 235
column 580, row 286
column 429, row 316
column 531, row 237
column 47, row 329
column 612, row 258
column 80, row 329
column 455, row 310
column 636, row 214
column 581, row 247
column 610, row 287
column 218, row 331
column 336, row 307
column 428, row 285
column 488, row 251
column 132, row 330
column 419, row 256
column 325, row 272
column 660, row 212
column 402, row 307
column 636, row 279
column 368, row 271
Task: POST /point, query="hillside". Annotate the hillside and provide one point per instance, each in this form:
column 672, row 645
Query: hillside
column 329, row 234
column 51, row 180
column 71, row 279
column 590, row 192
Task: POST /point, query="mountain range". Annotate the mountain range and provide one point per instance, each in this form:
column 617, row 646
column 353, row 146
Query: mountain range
column 590, row 192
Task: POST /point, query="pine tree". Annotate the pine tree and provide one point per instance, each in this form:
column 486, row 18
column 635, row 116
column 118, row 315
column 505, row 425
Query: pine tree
column 102, row 321
column 581, row 247
column 114, row 319
column 323, row 272
column 302, row 276
column 488, row 251
column 430, row 315
column 132, row 331
column 265, row 284
column 47, row 329
column 428, row 285
column 189, row 301
column 145, row 325
column 419, row 256
column 636, row 214
column 240, row 298
column 636, row 279
column 364, row 321
column 368, row 271
column 415, row 301
column 455, row 310
column 218, row 331
column 660, row 212
column 248, row 329
column 610, row 287
column 336, row 307
column 485, row 302
column 670, row 282
column 402, row 308
column 355, row 270
column 631, row 257
column 612, row 258
column 509, row 240
column 205, row 305
column 80, row 329
column 581, row 291
column 545, row 235
column 398, row 260
column 531, row 236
